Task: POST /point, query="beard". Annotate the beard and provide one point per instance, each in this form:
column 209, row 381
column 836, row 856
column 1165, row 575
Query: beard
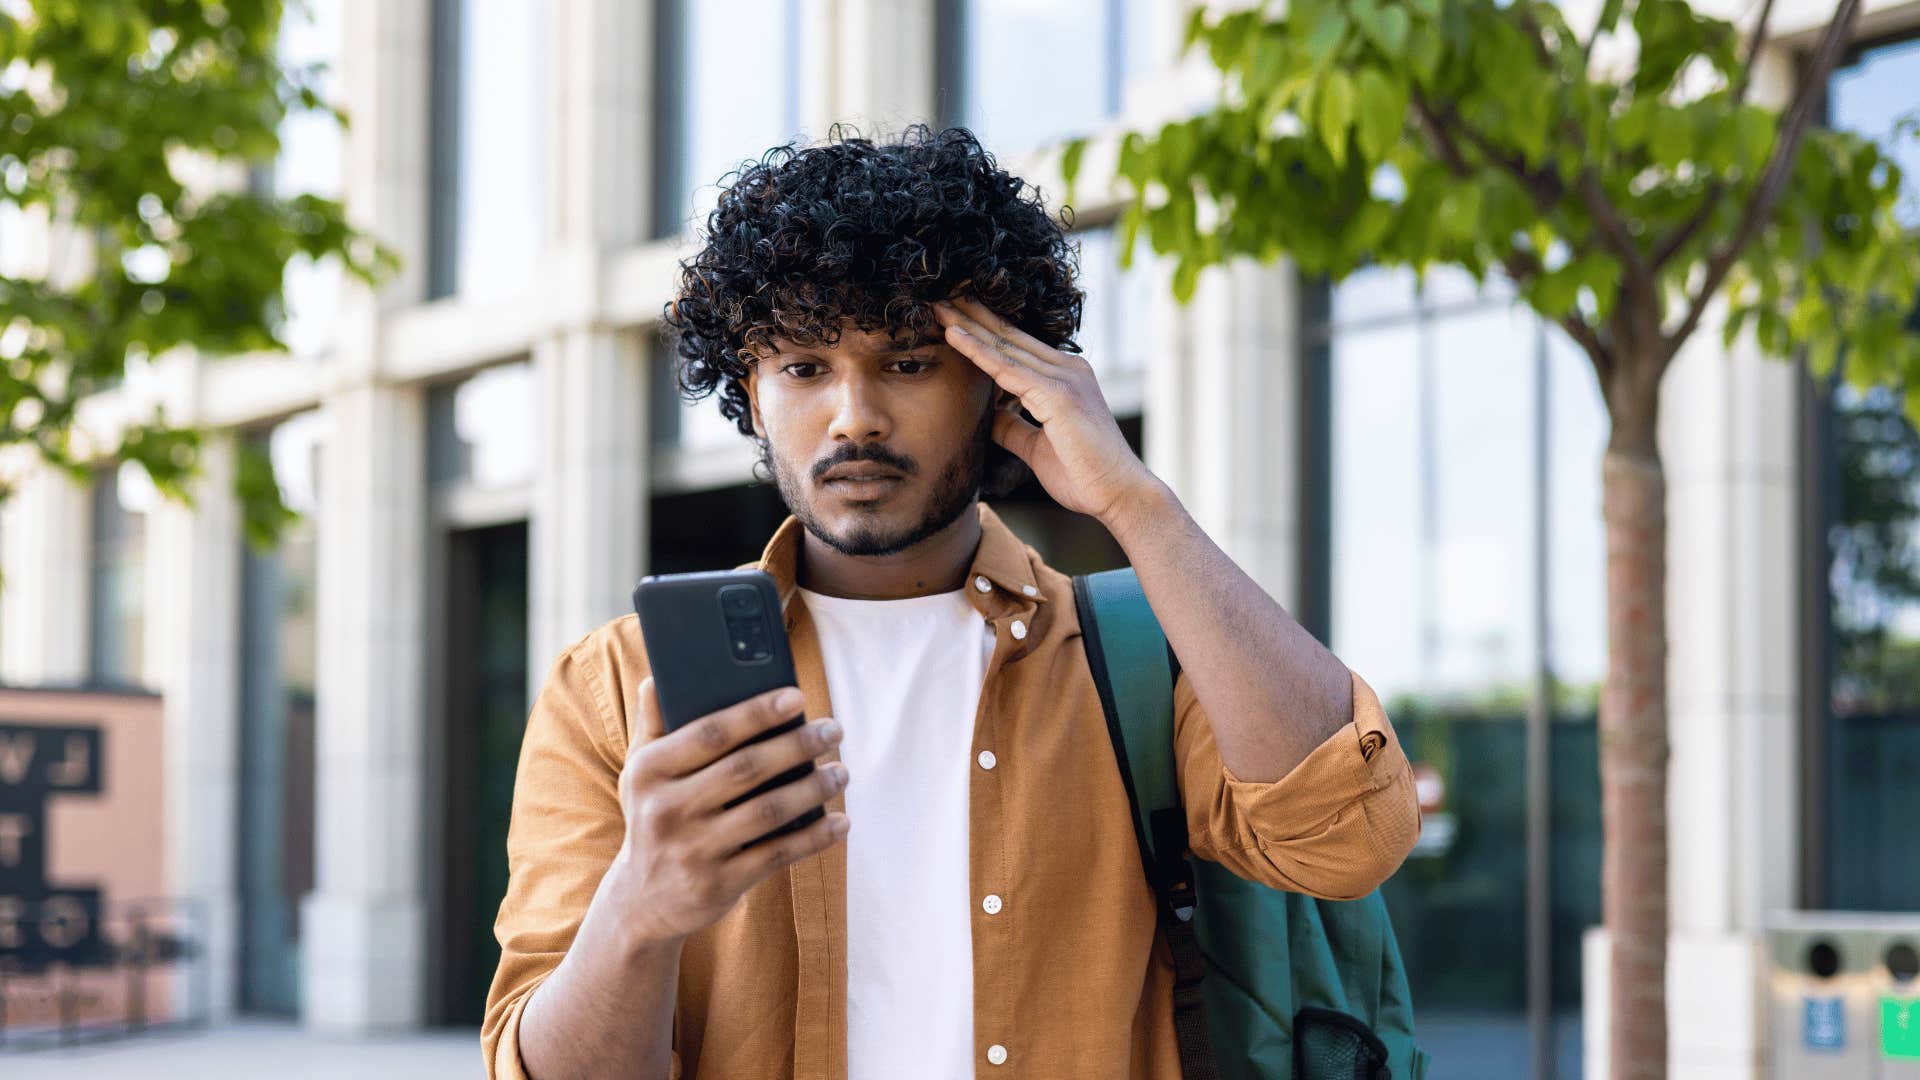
column 956, row 488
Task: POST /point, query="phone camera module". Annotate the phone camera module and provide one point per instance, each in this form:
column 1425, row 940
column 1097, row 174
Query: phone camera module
column 746, row 619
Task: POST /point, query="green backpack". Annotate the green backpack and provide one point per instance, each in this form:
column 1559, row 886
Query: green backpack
column 1286, row 986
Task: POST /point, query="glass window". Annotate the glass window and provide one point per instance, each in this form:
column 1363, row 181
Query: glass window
column 481, row 429
column 1023, row 73
column 489, row 145
column 1446, row 405
column 1117, row 324
column 277, row 677
column 1866, row 457
column 1872, row 97
column 678, row 423
column 310, row 163
column 117, row 579
column 724, row 96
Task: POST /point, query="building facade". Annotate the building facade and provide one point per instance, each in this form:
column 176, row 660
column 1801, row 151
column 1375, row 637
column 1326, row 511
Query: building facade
column 488, row 451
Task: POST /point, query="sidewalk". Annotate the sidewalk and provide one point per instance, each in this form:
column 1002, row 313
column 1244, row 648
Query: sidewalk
column 256, row 1048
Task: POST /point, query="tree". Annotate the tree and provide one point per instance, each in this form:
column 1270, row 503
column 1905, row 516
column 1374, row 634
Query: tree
column 108, row 110
column 1621, row 176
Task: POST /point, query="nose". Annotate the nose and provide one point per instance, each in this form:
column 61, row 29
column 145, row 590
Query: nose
column 860, row 414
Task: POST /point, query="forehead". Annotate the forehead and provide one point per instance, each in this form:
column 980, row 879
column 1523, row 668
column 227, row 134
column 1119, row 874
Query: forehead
column 863, row 342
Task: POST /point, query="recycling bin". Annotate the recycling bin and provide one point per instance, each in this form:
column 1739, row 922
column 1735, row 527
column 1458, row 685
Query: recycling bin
column 1896, row 981
column 1844, row 996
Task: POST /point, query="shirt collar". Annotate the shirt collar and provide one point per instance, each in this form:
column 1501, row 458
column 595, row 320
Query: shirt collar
column 1001, row 559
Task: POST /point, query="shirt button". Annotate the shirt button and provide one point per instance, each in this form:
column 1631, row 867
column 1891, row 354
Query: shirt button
column 982, row 584
column 1030, row 590
column 1019, row 630
column 992, row 906
column 986, row 759
column 997, row 1054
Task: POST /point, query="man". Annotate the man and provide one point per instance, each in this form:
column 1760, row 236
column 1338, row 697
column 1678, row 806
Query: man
column 877, row 317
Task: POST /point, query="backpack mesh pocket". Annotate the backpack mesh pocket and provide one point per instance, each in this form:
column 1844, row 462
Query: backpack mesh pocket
column 1329, row 1045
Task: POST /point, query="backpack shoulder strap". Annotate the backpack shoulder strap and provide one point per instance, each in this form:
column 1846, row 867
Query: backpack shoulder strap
column 1133, row 668
column 1127, row 654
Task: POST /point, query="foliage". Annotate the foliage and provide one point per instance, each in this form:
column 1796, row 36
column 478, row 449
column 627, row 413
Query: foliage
column 1621, row 196
column 115, row 113
column 1876, row 565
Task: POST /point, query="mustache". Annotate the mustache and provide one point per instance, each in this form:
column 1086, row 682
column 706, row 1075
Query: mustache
column 874, row 453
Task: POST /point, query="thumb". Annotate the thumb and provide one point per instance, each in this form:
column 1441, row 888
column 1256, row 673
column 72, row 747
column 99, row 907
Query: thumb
column 649, row 724
column 1016, row 434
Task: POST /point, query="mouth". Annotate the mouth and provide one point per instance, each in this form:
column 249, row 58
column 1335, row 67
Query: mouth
column 863, row 485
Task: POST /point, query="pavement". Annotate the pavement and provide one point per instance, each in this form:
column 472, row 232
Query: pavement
column 252, row 1048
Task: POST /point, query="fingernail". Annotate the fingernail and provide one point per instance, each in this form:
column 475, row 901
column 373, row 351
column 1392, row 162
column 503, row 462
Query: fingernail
column 959, row 331
column 838, row 772
column 829, row 729
column 789, row 701
column 839, row 826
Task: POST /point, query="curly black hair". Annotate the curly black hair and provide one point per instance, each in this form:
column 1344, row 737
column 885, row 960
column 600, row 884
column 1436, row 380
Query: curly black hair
column 875, row 232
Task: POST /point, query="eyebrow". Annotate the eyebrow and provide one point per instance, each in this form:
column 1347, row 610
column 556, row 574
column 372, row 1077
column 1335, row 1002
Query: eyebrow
column 782, row 346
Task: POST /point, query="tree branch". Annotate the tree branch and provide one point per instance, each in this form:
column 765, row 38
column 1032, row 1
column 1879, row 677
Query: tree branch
column 1521, row 266
column 1666, row 249
column 1773, row 180
column 1753, row 52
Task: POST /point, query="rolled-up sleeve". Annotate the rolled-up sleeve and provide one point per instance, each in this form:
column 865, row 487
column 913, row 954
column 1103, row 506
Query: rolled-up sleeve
column 1336, row 826
column 566, row 828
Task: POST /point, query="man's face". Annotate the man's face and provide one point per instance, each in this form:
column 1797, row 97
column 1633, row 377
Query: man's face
column 875, row 444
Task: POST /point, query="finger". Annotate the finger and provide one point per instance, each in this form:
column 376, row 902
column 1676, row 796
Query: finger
column 770, row 810
column 1017, row 378
column 739, row 872
column 696, row 745
column 995, row 324
column 1012, row 431
column 1000, row 342
column 750, row 766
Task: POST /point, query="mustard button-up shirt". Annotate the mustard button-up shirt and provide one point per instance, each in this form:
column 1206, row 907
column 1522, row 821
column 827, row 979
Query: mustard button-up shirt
column 1071, row 978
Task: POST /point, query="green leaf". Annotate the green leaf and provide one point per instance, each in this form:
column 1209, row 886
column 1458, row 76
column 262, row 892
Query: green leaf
column 1196, row 26
column 1384, row 25
column 1460, row 211
column 1326, row 33
column 1383, row 112
column 1671, row 138
column 1822, row 353
column 1186, row 279
column 1336, row 104
column 1070, row 163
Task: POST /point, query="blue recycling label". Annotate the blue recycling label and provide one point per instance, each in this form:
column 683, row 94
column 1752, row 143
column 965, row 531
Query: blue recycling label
column 1824, row 1023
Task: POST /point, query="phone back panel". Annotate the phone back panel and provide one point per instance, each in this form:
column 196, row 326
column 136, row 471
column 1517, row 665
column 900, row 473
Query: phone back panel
column 695, row 672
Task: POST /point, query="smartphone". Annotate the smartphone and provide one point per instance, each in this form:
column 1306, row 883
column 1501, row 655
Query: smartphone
column 715, row 639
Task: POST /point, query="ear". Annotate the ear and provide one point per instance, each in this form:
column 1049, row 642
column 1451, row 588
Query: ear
column 753, row 399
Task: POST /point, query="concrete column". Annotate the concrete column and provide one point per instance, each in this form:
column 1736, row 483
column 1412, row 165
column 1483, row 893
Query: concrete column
column 364, row 939
column 1221, row 416
column 193, row 617
column 588, row 533
column 882, row 64
column 604, row 93
column 44, row 531
column 1726, row 436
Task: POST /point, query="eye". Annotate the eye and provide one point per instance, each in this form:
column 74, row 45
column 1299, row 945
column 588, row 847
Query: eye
column 916, row 365
column 800, row 369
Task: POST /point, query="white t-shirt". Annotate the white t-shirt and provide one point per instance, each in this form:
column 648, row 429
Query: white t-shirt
column 904, row 677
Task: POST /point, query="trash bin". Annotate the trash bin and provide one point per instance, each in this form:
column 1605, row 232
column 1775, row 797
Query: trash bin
column 1896, row 979
column 1844, row 995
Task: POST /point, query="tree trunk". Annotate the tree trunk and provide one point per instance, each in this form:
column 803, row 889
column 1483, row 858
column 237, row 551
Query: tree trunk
column 1633, row 743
